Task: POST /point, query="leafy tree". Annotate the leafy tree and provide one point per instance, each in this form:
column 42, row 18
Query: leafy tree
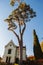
column 18, row 18
column 36, row 48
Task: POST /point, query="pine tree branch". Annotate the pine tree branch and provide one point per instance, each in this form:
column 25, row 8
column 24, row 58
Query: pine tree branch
column 15, row 33
column 23, row 29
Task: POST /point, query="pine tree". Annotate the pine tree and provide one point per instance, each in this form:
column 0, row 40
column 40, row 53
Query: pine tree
column 36, row 47
column 17, row 20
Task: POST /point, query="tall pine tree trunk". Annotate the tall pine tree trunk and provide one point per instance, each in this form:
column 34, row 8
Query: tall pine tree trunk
column 20, row 45
column 21, row 52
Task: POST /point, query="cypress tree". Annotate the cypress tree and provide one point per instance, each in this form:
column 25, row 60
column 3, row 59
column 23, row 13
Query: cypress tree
column 36, row 47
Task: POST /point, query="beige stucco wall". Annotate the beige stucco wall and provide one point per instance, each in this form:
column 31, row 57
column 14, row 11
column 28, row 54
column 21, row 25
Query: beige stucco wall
column 24, row 54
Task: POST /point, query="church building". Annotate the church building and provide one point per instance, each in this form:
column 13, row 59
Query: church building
column 12, row 51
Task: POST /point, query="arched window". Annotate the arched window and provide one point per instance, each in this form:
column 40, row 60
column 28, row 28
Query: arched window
column 8, row 59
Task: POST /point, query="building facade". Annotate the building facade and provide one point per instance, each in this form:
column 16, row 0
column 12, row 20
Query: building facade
column 12, row 52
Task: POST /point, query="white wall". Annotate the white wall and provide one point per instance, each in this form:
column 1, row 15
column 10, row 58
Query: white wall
column 12, row 55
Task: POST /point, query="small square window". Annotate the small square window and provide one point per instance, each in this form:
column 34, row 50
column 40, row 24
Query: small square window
column 9, row 51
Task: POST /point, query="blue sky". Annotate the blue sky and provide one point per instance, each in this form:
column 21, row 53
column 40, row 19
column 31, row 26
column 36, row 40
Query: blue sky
column 36, row 23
